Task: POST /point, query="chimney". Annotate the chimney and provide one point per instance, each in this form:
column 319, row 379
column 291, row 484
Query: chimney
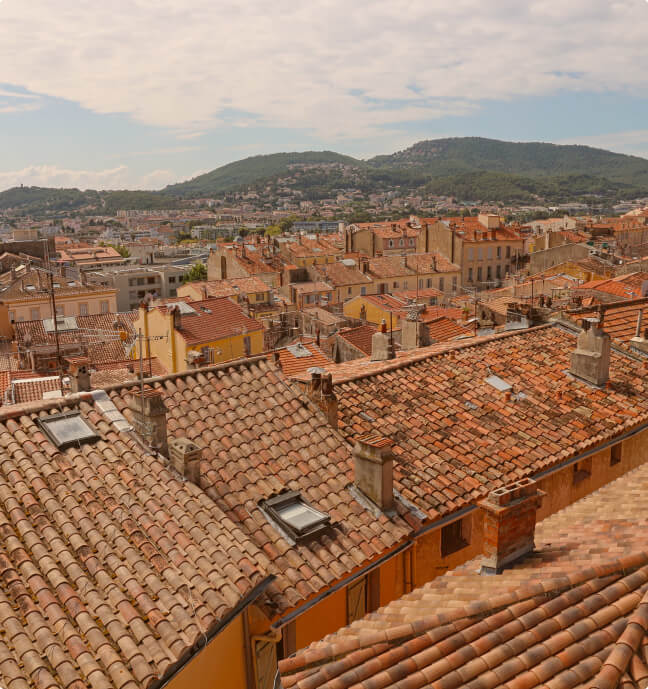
column 509, row 524
column 591, row 359
column 382, row 345
column 149, row 419
column 321, row 392
column 373, row 462
column 175, row 317
column 640, row 340
column 414, row 333
column 78, row 368
column 185, row 457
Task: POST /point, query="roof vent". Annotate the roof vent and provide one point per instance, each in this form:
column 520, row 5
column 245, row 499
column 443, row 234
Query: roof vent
column 591, row 359
column 299, row 518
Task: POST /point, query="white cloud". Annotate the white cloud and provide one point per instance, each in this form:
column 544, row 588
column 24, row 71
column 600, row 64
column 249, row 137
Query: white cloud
column 190, row 66
column 120, row 177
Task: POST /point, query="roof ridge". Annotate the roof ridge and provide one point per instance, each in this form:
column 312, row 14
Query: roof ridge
column 444, row 348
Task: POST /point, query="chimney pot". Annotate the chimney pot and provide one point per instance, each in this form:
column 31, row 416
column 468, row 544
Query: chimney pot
column 374, row 469
column 185, row 457
column 79, row 370
column 509, row 524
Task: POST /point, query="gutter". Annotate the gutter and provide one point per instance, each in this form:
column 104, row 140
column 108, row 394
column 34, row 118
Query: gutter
column 209, row 636
column 343, row 583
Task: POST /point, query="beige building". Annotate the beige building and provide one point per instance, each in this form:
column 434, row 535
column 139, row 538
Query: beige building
column 28, row 297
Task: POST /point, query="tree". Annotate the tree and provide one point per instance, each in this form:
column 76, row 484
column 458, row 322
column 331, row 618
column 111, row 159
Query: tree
column 272, row 230
column 198, row 271
column 122, row 250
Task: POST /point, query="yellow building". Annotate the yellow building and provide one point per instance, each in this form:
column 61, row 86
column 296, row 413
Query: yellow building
column 184, row 333
column 585, row 269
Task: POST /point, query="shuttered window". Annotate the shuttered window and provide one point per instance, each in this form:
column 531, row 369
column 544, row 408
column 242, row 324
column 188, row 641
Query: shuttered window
column 356, row 600
column 265, row 655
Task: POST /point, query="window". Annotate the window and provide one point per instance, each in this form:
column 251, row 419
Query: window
column 363, row 291
column 172, row 279
column 498, row 272
column 12, row 316
column 391, row 243
column 471, row 253
column 132, row 282
column 247, row 345
column 489, row 252
column 60, row 310
column 508, row 252
column 454, row 283
column 615, row 454
column 420, row 284
column 34, row 314
column 441, row 284
column 150, row 281
column 429, row 282
column 300, row 519
column 479, row 254
column 405, row 284
column 470, row 275
column 349, row 290
column 411, row 242
column 104, row 307
column 83, row 309
column 479, row 274
column 489, row 273
column 140, row 281
column 400, row 242
column 65, row 430
column 454, row 537
column 499, row 252
column 395, row 285
column 582, row 471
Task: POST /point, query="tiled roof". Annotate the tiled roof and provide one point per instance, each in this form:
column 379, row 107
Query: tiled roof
column 389, row 229
column 474, row 231
column 339, row 275
column 390, row 267
column 620, row 319
column 572, row 615
column 422, row 294
column 308, row 287
column 33, row 389
column 628, row 286
column 98, row 253
column 359, row 337
column 21, row 287
column 300, row 357
column 231, row 287
column 113, row 372
column 114, row 569
column 431, row 263
column 93, row 332
column 214, row 319
column 270, row 439
column 443, row 328
column 457, row 437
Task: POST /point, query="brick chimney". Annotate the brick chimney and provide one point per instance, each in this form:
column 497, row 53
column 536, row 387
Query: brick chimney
column 591, row 359
column 321, row 392
column 149, row 419
column 79, row 370
column 509, row 524
column 175, row 317
column 414, row 333
column 185, row 457
column 382, row 346
column 373, row 462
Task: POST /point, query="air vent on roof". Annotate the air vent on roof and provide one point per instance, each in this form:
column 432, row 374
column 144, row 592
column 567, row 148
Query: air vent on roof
column 293, row 513
column 63, row 324
column 498, row 383
column 65, row 430
column 299, row 351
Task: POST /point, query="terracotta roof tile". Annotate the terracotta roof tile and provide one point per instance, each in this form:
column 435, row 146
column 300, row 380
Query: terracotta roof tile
column 574, row 613
column 300, row 357
column 359, row 337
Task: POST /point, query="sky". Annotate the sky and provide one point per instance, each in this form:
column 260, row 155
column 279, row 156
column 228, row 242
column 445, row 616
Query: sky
column 141, row 93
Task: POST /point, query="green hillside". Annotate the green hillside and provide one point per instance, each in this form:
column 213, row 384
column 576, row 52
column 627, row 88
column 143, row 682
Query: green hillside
column 252, row 171
column 444, row 157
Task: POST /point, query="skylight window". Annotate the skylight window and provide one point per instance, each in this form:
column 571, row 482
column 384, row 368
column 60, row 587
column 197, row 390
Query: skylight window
column 301, row 520
column 65, row 430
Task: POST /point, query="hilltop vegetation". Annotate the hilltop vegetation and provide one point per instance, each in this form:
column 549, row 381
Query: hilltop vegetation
column 468, row 169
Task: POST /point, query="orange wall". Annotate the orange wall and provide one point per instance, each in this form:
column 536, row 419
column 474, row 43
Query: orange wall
column 220, row 665
column 324, row 618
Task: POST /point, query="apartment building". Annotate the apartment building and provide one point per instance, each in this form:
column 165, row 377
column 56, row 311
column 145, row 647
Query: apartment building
column 135, row 283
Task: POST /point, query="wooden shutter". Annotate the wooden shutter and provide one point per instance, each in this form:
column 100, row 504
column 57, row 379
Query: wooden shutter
column 265, row 655
column 356, row 600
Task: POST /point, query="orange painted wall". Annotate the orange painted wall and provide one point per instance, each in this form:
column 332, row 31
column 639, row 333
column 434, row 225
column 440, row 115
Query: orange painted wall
column 218, row 666
column 324, row 618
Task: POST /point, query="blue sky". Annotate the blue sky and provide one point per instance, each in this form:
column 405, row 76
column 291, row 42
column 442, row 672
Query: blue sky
column 143, row 94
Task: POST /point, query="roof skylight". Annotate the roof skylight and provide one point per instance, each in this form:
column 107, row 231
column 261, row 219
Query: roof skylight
column 294, row 514
column 65, row 430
